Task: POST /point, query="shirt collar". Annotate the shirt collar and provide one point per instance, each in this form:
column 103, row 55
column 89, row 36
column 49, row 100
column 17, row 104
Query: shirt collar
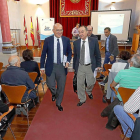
column 56, row 37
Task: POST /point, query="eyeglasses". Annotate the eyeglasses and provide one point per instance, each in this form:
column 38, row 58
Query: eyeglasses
column 90, row 30
column 59, row 30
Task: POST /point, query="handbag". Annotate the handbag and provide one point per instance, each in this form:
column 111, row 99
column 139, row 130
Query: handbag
column 75, row 83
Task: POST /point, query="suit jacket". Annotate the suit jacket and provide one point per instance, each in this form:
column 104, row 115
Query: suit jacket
column 92, row 35
column 15, row 76
column 31, row 66
column 113, row 46
column 94, row 53
column 48, row 49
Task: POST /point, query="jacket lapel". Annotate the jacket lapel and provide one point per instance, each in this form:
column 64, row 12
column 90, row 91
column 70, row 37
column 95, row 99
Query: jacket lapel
column 90, row 46
column 63, row 42
column 79, row 46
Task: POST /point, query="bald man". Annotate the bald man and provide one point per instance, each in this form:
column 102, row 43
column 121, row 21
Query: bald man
column 56, row 47
column 15, row 76
column 90, row 30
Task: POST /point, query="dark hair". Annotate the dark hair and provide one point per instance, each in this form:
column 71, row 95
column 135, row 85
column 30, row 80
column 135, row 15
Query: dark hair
column 107, row 28
column 84, row 27
column 77, row 24
column 125, row 55
column 27, row 55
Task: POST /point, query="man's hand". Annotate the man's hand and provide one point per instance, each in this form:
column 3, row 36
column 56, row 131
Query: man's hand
column 111, row 58
column 67, row 65
column 99, row 68
column 42, row 72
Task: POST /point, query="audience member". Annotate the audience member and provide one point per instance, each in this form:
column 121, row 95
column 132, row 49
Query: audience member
column 15, row 76
column 131, row 106
column 90, row 30
column 75, row 31
column 123, row 63
column 29, row 65
column 86, row 58
column 128, row 78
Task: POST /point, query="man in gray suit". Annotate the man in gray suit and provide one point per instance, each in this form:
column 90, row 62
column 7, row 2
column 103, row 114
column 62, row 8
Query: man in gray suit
column 86, row 58
column 111, row 47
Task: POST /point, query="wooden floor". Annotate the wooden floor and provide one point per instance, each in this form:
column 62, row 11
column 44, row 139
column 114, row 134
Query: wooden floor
column 19, row 124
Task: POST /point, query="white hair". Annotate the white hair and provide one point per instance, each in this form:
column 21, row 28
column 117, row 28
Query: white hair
column 13, row 61
column 136, row 60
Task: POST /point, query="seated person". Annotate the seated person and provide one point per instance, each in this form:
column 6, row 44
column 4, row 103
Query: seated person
column 15, row 76
column 131, row 106
column 128, row 78
column 90, row 30
column 28, row 65
column 123, row 63
column 75, row 31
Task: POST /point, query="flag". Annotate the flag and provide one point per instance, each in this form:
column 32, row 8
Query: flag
column 25, row 33
column 32, row 32
column 38, row 34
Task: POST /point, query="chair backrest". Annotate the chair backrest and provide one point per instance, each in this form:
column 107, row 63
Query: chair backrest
column 125, row 93
column 1, row 65
column 107, row 66
column 14, row 93
column 33, row 75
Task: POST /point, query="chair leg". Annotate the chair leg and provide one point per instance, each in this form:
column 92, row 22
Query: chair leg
column 27, row 115
column 43, row 83
column 11, row 131
column 37, row 94
column 125, row 134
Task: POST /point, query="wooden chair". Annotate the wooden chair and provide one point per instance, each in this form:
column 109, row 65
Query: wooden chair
column 15, row 94
column 33, row 76
column 7, row 122
column 125, row 94
column 107, row 67
column 1, row 65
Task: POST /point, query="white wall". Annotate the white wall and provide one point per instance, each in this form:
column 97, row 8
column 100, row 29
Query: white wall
column 17, row 10
column 124, row 4
column 137, row 13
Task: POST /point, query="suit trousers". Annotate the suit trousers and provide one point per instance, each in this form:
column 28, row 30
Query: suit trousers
column 84, row 72
column 58, row 76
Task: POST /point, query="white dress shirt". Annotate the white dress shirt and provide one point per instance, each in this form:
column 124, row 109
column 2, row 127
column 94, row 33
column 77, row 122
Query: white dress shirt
column 55, row 49
column 87, row 51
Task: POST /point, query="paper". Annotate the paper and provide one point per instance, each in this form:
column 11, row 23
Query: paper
column 0, row 88
column 95, row 72
column 64, row 60
column 109, row 70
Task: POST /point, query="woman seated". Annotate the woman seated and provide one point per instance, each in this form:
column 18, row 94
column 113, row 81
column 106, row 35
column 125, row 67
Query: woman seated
column 123, row 63
column 29, row 65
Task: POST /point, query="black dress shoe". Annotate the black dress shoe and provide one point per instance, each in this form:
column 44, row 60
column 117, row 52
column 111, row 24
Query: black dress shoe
column 53, row 98
column 90, row 96
column 60, row 108
column 80, row 103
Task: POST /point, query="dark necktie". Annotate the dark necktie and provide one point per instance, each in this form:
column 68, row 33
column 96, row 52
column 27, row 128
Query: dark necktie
column 58, row 52
column 82, row 54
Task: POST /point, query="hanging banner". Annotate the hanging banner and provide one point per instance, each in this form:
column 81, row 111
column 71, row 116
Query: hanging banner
column 74, row 8
column 46, row 26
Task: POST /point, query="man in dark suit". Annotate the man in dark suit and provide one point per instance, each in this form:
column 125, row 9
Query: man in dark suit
column 90, row 30
column 86, row 58
column 56, row 47
column 111, row 47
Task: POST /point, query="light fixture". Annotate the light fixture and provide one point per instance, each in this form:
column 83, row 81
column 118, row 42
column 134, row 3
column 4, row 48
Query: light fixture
column 39, row 4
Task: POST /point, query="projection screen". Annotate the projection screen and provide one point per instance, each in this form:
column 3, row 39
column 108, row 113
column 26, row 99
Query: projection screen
column 117, row 20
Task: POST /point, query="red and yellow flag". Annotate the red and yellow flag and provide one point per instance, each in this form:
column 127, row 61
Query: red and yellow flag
column 32, row 32
column 25, row 33
column 38, row 34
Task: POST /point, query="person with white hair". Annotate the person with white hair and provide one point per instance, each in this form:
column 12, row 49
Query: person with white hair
column 15, row 76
